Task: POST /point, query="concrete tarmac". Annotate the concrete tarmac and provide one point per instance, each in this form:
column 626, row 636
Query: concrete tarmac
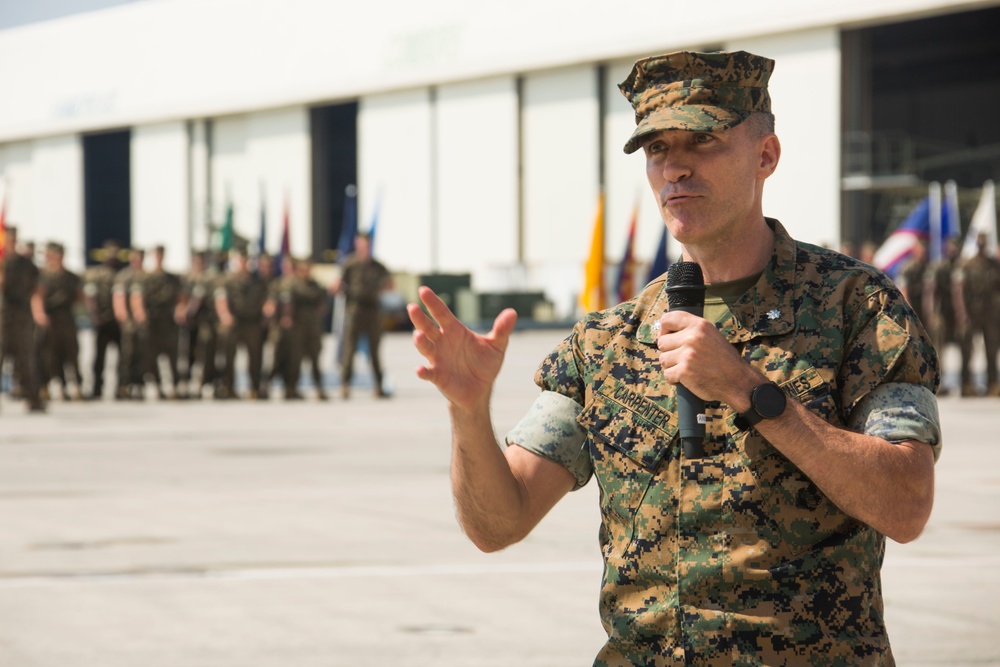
column 259, row 534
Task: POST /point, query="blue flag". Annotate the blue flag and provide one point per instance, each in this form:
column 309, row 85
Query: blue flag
column 660, row 262
column 349, row 226
column 374, row 224
column 931, row 213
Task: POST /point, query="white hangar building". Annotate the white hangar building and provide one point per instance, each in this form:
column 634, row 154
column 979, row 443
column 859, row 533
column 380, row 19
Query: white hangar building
column 479, row 134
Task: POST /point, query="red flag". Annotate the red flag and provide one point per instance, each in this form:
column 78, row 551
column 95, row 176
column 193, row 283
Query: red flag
column 626, row 269
column 285, row 246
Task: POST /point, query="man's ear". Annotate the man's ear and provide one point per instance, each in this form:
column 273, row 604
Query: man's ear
column 770, row 154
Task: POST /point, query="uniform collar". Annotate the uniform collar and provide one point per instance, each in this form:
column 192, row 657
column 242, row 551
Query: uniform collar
column 767, row 309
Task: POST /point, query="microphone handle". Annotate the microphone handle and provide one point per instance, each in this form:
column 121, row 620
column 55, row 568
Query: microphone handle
column 691, row 410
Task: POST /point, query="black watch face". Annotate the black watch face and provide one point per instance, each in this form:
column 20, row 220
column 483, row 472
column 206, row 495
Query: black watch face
column 769, row 401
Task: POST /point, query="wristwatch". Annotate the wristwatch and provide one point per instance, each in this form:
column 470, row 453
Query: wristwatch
column 767, row 401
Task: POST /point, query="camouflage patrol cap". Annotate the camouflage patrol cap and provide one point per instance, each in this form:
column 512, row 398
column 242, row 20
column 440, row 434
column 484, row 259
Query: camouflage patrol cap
column 697, row 92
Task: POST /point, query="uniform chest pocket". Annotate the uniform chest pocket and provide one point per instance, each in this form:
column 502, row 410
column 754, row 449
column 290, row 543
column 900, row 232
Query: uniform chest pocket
column 629, row 436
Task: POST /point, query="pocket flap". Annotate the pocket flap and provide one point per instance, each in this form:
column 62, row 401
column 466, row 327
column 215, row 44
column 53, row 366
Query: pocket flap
column 624, row 419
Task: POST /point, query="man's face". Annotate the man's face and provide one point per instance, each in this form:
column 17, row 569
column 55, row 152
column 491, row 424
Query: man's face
column 708, row 183
column 362, row 246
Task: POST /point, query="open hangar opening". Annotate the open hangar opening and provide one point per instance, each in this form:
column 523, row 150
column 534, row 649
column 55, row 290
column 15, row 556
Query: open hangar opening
column 920, row 103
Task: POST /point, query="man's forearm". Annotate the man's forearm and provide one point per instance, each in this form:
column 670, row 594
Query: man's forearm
column 887, row 486
column 487, row 493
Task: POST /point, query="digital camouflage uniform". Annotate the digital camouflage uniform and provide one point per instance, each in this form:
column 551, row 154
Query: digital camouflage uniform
column 737, row 558
column 979, row 280
column 307, row 299
column 58, row 344
column 132, row 353
column 160, row 292
column 203, row 324
column 20, row 280
column 911, row 279
column 245, row 295
column 363, row 281
column 941, row 325
column 278, row 337
column 97, row 288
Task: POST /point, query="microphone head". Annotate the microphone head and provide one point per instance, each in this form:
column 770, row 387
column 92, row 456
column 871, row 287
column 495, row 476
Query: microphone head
column 685, row 285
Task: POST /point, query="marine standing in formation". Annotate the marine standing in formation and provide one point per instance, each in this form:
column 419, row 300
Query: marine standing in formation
column 23, row 309
column 131, row 383
column 239, row 301
column 98, row 291
column 362, row 281
column 306, row 301
column 58, row 341
column 976, row 294
column 156, row 304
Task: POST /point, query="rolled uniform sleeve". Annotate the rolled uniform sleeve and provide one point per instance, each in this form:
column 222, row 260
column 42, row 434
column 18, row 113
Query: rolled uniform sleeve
column 899, row 412
column 550, row 430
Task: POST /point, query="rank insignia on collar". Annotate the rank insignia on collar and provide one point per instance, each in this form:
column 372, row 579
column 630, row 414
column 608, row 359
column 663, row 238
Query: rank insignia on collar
column 773, row 314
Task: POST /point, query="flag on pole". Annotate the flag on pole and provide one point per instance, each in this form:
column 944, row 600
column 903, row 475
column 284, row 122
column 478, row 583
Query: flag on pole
column 625, row 287
column 262, row 239
column 285, row 249
column 984, row 221
column 349, row 226
column 592, row 297
column 226, row 233
column 930, row 218
column 660, row 262
column 374, row 222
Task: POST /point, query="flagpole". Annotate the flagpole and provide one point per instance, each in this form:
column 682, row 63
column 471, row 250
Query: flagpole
column 934, row 233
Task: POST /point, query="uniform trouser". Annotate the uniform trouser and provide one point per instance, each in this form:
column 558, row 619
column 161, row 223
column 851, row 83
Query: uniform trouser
column 206, row 348
column 991, row 341
column 131, row 362
column 282, row 341
column 248, row 334
column 105, row 334
column 58, row 348
column 19, row 343
column 160, row 338
column 188, row 350
column 361, row 321
column 305, row 345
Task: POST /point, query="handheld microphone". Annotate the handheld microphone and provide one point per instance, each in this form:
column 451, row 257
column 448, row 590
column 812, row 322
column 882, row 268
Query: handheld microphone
column 686, row 292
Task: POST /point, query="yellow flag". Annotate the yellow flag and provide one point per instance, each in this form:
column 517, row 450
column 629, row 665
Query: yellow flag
column 592, row 297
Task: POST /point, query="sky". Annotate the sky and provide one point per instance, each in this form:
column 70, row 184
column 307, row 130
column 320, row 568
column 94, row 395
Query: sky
column 16, row 13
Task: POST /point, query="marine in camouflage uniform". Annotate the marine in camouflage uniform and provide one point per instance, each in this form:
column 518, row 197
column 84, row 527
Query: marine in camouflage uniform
column 23, row 307
column 98, row 286
column 239, row 301
column 977, row 283
column 59, row 343
column 280, row 333
column 911, row 281
column 362, row 280
column 939, row 302
column 133, row 355
column 767, row 548
column 307, row 300
column 155, row 305
column 202, row 324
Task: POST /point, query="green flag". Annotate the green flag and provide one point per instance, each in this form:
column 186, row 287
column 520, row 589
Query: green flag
column 226, row 233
